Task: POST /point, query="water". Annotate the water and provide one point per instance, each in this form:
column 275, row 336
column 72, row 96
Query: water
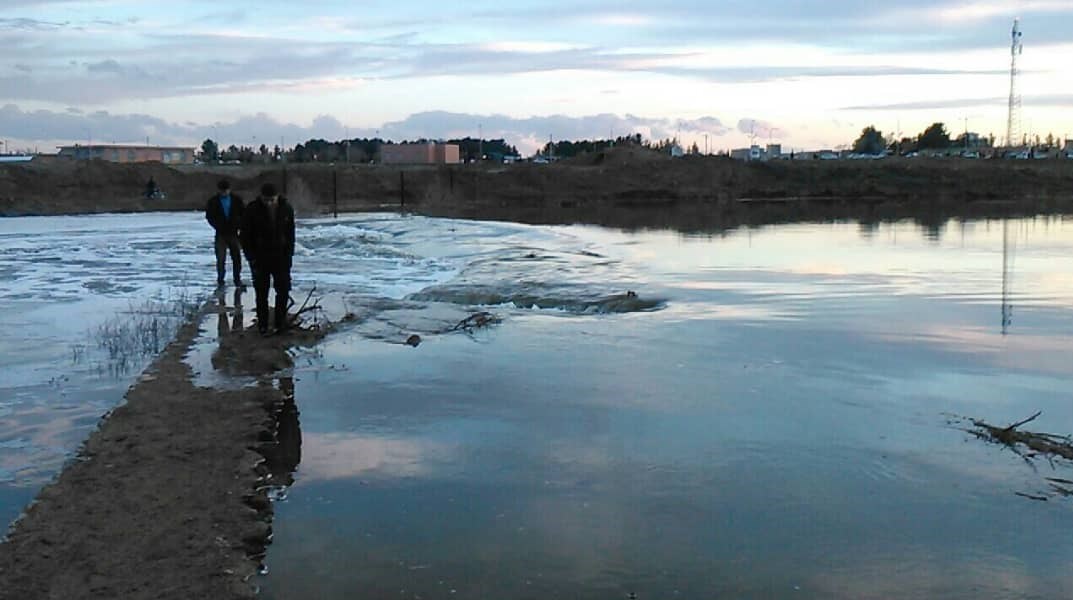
column 774, row 415
column 775, row 418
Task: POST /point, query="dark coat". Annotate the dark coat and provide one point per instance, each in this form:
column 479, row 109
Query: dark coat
column 214, row 214
column 268, row 245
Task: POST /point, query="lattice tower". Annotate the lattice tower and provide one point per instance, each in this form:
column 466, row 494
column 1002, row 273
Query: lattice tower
column 1013, row 121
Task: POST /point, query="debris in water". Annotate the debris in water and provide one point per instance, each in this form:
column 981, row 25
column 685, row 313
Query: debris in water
column 1028, row 446
column 413, row 340
column 476, row 321
column 1044, row 444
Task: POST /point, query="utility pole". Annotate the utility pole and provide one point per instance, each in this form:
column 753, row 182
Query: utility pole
column 480, row 142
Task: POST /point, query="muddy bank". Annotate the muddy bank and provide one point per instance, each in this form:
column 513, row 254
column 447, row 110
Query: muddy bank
column 624, row 187
column 168, row 497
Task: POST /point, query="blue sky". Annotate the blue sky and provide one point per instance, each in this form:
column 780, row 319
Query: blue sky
column 807, row 73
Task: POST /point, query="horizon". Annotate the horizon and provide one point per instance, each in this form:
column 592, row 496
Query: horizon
column 804, row 73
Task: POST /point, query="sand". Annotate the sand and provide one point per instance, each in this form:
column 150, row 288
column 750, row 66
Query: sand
column 167, row 499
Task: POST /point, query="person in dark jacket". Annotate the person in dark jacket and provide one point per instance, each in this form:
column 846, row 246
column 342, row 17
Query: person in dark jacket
column 267, row 236
column 224, row 212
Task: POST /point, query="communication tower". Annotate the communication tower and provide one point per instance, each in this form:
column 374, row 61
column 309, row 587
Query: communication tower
column 1013, row 122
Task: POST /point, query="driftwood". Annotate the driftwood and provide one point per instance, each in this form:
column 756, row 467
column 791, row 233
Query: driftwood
column 294, row 319
column 1029, row 446
column 476, row 321
column 1043, row 444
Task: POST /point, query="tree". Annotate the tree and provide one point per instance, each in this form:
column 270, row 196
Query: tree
column 871, row 141
column 209, row 150
column 935, row 137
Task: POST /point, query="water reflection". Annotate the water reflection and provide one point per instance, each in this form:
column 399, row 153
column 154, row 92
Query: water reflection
column 228, row 321
column 1007, row 266
column 776, row 431
column 284, row 453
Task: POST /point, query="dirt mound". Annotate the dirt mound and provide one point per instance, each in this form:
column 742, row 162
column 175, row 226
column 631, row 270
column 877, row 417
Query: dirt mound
column 619, row 156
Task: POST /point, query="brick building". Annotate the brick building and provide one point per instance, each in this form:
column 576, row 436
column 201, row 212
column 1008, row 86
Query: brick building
column 123, row 153
column 429, row 153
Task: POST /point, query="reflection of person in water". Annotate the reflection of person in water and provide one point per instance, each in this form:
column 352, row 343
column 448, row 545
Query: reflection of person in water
column 226, row 325
column 236, row 319
column 283, row 456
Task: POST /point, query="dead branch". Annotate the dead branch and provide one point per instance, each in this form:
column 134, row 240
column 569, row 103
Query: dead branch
column 475, row 321
column 1028, row 420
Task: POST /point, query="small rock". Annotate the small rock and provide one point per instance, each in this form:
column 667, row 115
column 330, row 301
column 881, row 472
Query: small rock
column 413, row 340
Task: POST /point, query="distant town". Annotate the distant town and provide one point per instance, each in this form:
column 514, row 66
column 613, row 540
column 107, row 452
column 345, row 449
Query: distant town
column 872, row 144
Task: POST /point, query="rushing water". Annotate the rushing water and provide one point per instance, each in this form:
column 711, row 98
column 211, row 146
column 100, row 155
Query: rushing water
column 772, row 413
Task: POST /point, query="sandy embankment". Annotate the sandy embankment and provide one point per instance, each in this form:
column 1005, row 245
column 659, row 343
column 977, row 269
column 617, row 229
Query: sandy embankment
column 167, row 497
column 625, row 187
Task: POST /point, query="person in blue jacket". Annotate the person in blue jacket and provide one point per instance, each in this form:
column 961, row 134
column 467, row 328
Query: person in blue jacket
column 225, row 211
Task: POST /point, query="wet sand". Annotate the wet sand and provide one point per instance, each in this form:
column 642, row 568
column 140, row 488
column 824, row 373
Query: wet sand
column 168, row 497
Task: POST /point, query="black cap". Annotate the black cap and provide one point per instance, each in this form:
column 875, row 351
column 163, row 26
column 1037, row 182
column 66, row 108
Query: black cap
column 268, row 190
column 223, row 185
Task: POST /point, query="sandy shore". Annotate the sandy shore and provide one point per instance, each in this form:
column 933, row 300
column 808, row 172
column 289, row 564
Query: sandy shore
column 167, row 498
column 625, row 187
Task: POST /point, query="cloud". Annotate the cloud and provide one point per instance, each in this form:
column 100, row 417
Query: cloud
column 758, row 128
column 331, row 50
column 27, row 24
column 528, row 133
column 1053, row 100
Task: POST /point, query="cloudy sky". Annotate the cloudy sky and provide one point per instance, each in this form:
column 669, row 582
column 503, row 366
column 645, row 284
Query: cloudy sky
column 807, row 73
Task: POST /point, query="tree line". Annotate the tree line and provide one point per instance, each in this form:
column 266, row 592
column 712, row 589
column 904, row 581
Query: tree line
column 357, row 150
column 936, row 137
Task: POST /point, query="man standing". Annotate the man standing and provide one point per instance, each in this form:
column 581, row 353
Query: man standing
column 224, row 211
column 267, row 235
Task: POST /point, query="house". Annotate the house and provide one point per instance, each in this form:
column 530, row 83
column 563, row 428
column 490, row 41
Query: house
column 129, row 153
column 751, row 153
column 420, row 153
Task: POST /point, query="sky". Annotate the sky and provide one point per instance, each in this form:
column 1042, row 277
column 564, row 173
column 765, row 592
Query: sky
column 808, row 74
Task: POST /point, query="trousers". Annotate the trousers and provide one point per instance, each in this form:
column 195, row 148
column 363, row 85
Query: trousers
column 277, row 277
column 224, row 243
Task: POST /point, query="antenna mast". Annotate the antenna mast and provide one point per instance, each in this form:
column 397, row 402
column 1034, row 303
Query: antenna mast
column 1013, row 122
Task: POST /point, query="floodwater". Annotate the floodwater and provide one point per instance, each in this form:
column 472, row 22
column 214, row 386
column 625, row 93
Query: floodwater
column 771, row 413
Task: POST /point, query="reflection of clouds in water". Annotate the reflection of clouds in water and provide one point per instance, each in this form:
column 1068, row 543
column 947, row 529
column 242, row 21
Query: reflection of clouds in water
column 1039, row 353
column 41, row 438
column 920, row 573
column 705, row 311
column 328, row 456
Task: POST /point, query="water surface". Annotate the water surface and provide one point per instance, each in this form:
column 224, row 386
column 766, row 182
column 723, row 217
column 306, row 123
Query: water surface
column 773, row 413
column 775, row 416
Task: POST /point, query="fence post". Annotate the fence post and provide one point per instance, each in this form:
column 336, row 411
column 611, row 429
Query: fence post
column 335, row 194
column 402, row 188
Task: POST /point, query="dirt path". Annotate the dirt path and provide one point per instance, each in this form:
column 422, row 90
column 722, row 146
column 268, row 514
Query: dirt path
column 167, row 498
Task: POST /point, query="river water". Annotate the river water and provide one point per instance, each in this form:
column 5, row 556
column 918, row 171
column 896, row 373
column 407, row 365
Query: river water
column 775, row 412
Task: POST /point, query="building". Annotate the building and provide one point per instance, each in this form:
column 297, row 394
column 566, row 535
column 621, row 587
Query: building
column 751, row 153
column 421, row 153
column 123, row 153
